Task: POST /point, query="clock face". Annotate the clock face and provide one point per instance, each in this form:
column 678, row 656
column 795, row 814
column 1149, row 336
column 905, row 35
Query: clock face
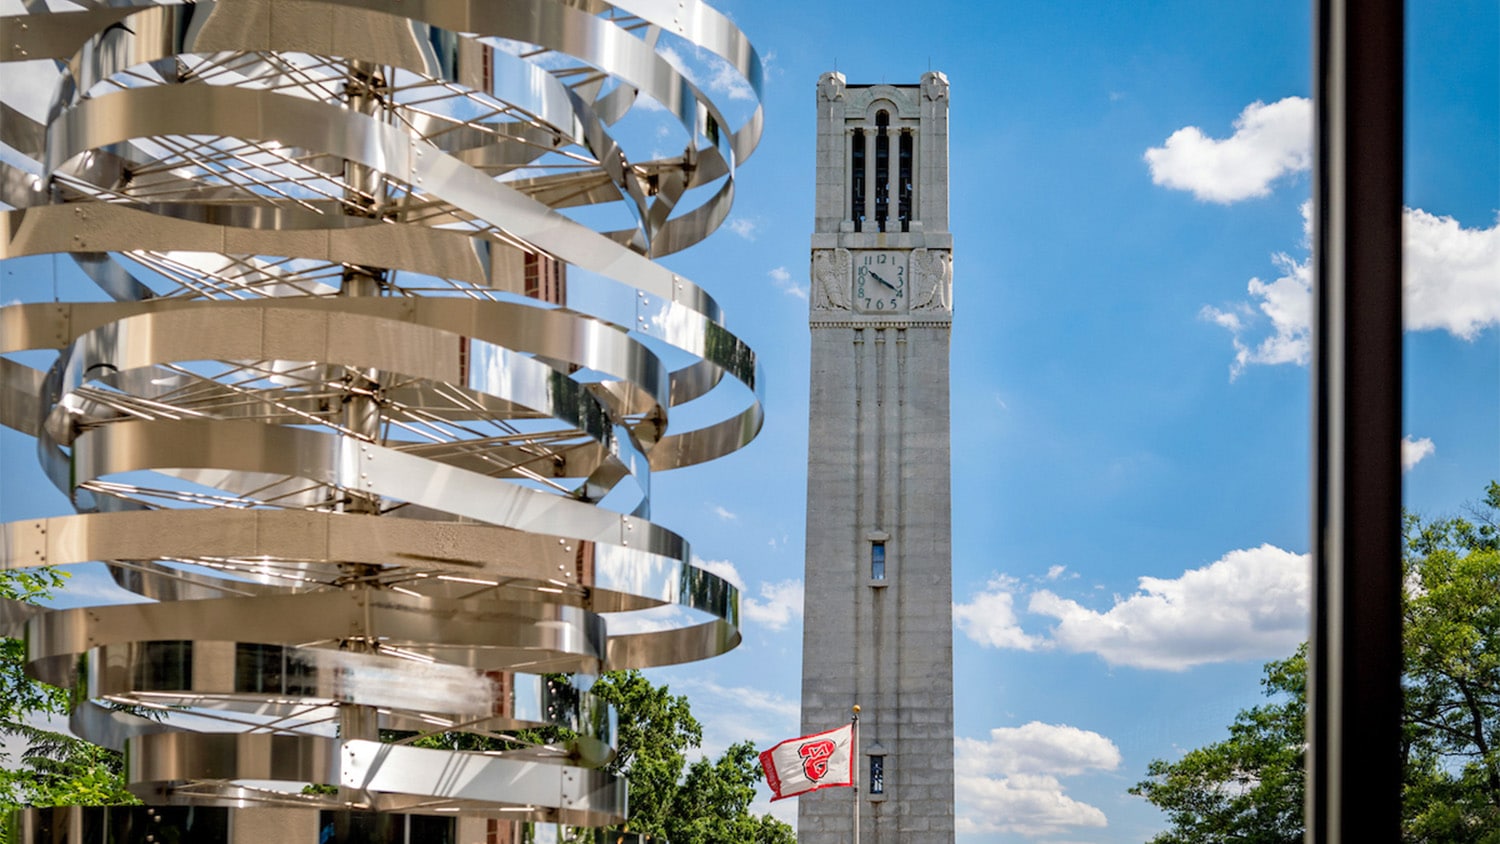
column 880, row 281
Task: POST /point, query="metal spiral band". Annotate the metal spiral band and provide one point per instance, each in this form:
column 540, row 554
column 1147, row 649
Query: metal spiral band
column 366, row 406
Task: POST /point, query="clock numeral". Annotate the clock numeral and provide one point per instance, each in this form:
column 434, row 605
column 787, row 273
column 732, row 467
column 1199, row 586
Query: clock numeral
column 886, row 273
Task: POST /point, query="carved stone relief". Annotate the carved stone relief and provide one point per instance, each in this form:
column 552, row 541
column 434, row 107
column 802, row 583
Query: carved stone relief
column 934, row 86
column 831, row 87
column 932, row 280
column 830, row 280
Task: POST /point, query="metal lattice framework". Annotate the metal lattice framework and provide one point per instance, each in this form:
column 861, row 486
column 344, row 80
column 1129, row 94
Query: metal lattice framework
column 369, row 454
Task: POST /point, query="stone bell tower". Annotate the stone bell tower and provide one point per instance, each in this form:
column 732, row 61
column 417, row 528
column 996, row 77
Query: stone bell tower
column 878, row 628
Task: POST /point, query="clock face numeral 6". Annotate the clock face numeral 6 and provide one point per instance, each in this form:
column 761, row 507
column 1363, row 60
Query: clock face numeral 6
column 879, row 281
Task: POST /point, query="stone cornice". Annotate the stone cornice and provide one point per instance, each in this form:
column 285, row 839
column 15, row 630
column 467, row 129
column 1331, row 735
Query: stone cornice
column 888, row 322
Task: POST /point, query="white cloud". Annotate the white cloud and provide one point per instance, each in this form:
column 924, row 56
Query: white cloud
column 747, row 699
column 1249, row 604
column 1269, row 142
column 744, row 227
column 1025, row 804
column 710, row 73
column 1451, row 282
column 1286, row 303
column 722, row 78
column 724, row 513
column 1223, row 318
column 782, row 278
column 779, row 604
column 1035, row 748
column 1414, row 451
column 1009, row 783
column 1452, row 275
column 989, row 617
column 731, row 714
column 672, row 55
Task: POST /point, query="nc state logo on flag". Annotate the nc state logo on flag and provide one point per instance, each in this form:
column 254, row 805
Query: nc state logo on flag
column 815, row 758
column 799, row 765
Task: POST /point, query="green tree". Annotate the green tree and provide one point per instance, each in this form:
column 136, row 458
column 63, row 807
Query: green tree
column 1451, row 681
column 54, row 768
column 655, row 731
column 1249, row 787
column 712, row 802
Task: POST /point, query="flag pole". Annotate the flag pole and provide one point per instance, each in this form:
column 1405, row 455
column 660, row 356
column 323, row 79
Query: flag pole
column 854, row 760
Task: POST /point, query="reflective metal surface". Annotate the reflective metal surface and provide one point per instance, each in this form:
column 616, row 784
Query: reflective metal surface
column 336, row 412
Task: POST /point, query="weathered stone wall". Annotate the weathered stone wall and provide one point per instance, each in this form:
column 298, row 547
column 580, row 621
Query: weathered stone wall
column 879, row 471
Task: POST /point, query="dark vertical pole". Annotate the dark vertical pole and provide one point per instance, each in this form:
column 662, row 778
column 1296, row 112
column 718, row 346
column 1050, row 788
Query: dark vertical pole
column 1354, row 713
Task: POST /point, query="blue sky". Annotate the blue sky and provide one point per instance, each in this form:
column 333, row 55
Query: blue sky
column 1130, row 382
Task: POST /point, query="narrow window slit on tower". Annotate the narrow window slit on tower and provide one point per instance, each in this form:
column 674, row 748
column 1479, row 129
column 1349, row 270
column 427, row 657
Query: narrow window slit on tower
column 857, row 183
column 877, row 774
column 877, row 560
column 882, row 169
column 903, row 209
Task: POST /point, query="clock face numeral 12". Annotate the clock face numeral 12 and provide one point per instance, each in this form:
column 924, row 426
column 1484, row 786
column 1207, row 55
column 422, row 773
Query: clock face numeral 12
column 880, row 281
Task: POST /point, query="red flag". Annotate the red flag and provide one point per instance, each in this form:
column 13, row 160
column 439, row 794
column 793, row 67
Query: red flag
column 800, row 765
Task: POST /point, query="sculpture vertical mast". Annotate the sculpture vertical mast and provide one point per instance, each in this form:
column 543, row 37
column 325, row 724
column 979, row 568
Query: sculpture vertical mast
column 365, row 196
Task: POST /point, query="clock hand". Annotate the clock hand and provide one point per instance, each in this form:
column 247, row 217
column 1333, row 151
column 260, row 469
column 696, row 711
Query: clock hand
column 883, row 281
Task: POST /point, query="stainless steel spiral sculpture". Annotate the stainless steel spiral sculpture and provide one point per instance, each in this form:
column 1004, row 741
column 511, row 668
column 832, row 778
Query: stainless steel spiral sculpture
column 368, row 406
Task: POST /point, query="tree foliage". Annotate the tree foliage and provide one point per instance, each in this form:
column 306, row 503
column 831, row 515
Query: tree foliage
column 1451, row 681
column 1249, row 787
column 711, row 802
column 54, row 768
column 655, row 731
